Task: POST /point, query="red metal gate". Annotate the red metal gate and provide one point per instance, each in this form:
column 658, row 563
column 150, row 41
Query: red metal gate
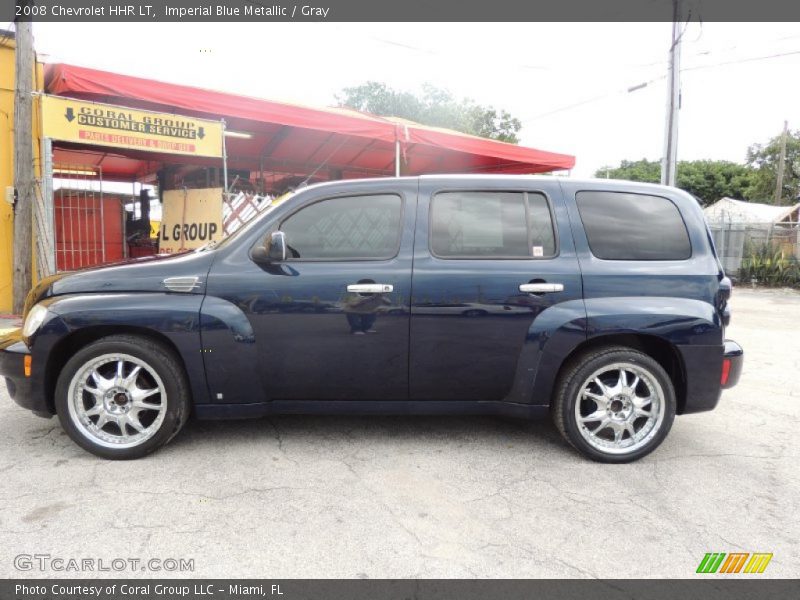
column 88, row 223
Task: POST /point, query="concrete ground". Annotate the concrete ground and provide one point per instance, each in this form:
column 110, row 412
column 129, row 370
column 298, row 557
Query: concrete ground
column 428, row 497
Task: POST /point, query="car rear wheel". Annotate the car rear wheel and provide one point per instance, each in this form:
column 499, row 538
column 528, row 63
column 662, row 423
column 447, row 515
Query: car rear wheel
column 122, row 397
column 614, row 404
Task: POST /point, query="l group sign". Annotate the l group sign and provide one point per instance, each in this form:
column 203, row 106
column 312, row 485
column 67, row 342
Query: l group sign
column 190, row 219
column 98, row 124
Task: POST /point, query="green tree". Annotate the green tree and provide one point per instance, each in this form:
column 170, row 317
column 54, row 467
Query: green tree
column 763, row 158
column 434, row 106
column 708, row 180
column 711, row 180
column 647, row 171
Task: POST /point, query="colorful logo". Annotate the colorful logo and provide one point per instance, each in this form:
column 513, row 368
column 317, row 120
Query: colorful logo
column 735, row 562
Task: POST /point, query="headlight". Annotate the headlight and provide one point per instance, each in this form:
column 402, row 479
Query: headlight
column 34, row 320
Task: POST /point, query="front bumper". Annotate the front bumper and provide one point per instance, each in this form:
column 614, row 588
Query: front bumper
column 13, row 351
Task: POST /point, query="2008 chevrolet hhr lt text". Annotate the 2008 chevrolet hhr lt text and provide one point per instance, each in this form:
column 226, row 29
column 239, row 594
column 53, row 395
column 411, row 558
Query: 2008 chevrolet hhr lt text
column 600, row 302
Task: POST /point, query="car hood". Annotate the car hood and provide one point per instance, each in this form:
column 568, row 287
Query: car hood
column 137, row 275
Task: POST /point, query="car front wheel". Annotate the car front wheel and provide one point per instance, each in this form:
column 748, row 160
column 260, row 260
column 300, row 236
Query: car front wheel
column 122, row 397
column 614, row 404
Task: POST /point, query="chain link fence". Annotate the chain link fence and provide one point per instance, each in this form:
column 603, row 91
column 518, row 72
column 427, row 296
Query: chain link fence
column 768, row 253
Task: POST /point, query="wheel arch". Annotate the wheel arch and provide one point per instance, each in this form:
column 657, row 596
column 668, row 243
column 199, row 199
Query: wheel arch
column 74, row 341
column 661, row 350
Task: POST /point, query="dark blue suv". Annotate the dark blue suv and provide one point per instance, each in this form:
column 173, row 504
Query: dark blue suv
column 600, row 302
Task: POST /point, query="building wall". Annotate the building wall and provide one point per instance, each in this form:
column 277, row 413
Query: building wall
column 7, row 163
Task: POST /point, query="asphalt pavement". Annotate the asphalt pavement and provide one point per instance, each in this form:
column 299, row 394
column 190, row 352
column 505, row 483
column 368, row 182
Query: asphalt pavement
column 381, row 497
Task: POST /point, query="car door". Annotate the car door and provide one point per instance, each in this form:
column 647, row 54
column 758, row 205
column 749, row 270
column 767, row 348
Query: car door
column 331, row 321
column 491, row 256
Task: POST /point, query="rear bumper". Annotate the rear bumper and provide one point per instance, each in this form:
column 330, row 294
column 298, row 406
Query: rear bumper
column 733, row 359
column 13, row 351
column 704, row 374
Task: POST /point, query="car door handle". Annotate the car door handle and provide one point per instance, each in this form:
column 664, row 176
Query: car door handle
column 370, row 288
column 541, row 288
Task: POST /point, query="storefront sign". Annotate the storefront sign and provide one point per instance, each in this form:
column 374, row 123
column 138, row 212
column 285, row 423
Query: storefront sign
column 190, row 219
column 71, row 120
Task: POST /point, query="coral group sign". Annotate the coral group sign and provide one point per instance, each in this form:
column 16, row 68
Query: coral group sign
column 97, row 124
column 190, row 219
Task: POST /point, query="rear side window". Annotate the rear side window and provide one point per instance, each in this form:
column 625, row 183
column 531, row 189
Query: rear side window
column 491, row 225
column 346, row 228
column 622, row 226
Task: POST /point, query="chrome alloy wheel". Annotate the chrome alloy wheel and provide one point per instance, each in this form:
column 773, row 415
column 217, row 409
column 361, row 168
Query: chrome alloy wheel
column 620, row 408
column 117, row 401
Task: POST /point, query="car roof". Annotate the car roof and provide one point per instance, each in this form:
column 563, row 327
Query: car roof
column 616, row 184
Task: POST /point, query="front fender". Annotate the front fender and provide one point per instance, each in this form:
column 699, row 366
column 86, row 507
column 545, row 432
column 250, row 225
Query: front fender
column 175, row 317
column 230, row 353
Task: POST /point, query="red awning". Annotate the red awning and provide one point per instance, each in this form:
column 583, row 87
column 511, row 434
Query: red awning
column 295, row 139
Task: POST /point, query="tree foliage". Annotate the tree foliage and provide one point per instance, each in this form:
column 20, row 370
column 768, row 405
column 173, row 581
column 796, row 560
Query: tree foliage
column 647, row 171
column 708, row 180
column 434, row 106
column 711, row 180
column 764, row 158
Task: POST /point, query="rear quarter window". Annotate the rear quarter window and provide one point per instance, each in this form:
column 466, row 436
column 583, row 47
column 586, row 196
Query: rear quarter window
column 625, row 226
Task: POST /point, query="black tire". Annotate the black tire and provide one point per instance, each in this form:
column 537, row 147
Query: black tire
column 161, row 360
column 578, row 373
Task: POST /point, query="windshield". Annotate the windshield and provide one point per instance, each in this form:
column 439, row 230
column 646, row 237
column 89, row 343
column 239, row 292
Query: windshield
column 258, row 218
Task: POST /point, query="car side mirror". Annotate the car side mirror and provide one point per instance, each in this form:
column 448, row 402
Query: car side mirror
column 273, row 249
column 276, row 248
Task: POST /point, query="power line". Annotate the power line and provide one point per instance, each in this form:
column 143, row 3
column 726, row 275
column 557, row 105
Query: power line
column 742, row 60
column 433, row 52
column 646, row 83
column 717, row 51
column 626, row 90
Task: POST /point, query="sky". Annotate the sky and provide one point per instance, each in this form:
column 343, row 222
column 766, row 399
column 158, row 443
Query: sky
column 566, row 82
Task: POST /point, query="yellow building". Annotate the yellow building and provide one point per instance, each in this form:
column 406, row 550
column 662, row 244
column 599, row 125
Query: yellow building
column 7, row 47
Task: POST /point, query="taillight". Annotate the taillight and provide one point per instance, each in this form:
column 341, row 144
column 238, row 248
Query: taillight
column 726, row 371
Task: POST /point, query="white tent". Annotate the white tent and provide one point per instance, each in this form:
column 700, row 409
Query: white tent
column 728, row 210
column 737, row 225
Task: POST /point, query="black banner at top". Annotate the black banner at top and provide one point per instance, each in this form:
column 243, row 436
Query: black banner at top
column 136, row 11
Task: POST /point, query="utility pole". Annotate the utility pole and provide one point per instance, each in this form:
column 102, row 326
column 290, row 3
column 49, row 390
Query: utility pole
column 24, row 178
column 670, row 157
column 781, row 165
